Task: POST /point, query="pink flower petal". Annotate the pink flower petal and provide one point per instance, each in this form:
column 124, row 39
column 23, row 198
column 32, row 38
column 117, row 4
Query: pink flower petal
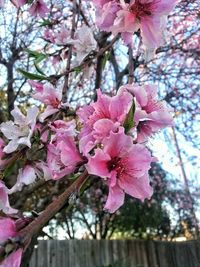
column 26, row 176
column 7, row 229
column 4, row 201
column 97, row 164
column 117, row 144
column 137, row 187
column 115, row 199
column 13, row 260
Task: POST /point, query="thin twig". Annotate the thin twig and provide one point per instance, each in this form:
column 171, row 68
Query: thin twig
column 66, row 82
column 131, row 66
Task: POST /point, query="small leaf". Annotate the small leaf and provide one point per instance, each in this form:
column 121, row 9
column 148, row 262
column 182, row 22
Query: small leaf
column 33, row 53
column 77, row 70
column 32, row 76
column 9, row 169
column 129, row 122
column 45, row 22
column 40, row 58
column 38, row 68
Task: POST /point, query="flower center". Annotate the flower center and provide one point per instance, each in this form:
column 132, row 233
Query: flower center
column 141, row 9
column 116, row 164
column 55, row 103
column 143, row 126
column 24, row 130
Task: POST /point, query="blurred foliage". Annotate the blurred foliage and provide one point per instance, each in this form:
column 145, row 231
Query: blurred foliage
column 161, row 218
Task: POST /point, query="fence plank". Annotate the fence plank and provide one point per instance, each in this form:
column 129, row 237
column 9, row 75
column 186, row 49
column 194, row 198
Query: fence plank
column 115, row 253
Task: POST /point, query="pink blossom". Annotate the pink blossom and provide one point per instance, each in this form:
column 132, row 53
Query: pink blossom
column 125, row 167
column 4, row 201
column 114, row 108
column 84, row 43
column 8, row 230
column 13, row 260
column 64, row 127
column 48, row 95
column 101, row 117
column 21, row 130
column 48, row 35
column 149, row 16
column 106, row 15
column 62, row 156
column 42, row 170
column 19, row 3
column 100, row 3
column 38, row 8
column 62, row 36
column 25, row 176
column 151, row 115
column 37, row 85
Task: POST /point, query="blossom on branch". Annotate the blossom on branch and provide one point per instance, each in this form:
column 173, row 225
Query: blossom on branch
column 62, row 37
column 26, row 176
column 84, row 43
column 106, row 15
column 62, row 155
column 64, row 127
column 125, row 167
column 38, row 8
column 148, row 16
column 98, row 119
column 4, row 201
column 48, row 95
column 21, row 130
column 151, row 115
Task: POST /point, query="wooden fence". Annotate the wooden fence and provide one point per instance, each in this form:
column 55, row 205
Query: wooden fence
column 116, row 253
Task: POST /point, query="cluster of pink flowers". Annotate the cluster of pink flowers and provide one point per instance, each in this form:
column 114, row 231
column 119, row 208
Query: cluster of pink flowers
column 127, row 17
column 118, row 156
column 104, row 145
column 107, row 138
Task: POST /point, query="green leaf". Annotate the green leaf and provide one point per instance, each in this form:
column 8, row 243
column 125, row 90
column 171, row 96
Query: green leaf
column 9, row 169
column 32, row 76
column 129, row 122
column 77, row 70
column 45, row 22
column 33, row 53
column 40, row 58
column 38, row 68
